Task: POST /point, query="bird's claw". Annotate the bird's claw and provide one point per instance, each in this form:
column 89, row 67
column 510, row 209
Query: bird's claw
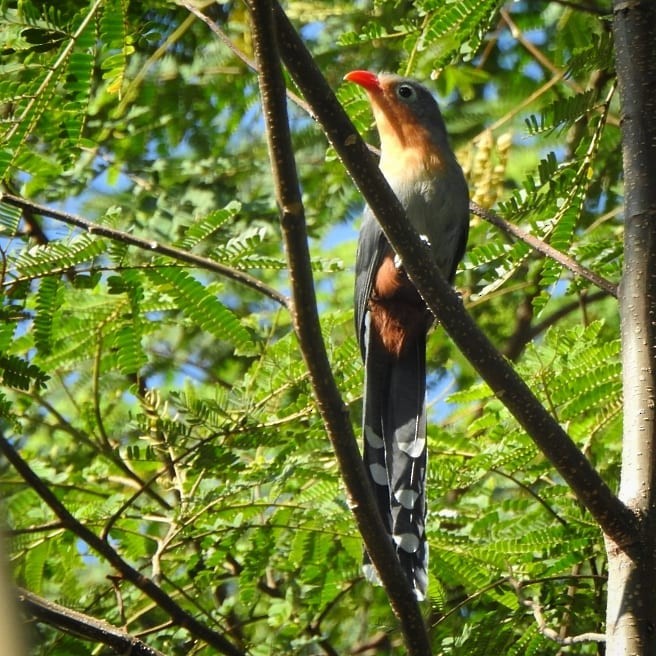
column 398, row 263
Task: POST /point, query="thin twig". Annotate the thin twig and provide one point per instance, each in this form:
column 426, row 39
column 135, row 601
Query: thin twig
column 552, row 634
column 531, row 492
column 132, row 89
column 296, row 99
column 536, row 53
column 468, row 599
column 516, row 109
column 584, row 301
column 132, row 477
column 30, row 530
column 314, row 627
column 148, row 245
column 189, row 452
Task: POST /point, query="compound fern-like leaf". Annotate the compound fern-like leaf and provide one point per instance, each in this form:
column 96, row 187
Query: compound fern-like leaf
column 203, row 308
column 47, row 301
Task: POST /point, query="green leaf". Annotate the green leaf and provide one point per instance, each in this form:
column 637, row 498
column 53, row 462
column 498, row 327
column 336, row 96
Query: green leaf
column 35, row 564
column 203, row 308
column 130, row 354
column 47, row 302
column 562, row 113
column 206, row 226
column 21, row 374
column 10, row 217
column 457, row 25
column 59, row 256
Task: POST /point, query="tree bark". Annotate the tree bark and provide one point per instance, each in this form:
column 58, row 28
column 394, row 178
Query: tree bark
column 631, row 622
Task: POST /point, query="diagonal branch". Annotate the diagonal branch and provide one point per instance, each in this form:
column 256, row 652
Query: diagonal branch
column 308, row 329
column 546, row 249
column 167, row 604
column 615, row 519
column 85, row 626
column 199, row 261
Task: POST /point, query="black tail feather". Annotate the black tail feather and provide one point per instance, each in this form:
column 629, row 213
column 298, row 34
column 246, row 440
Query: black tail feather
column 395, row 451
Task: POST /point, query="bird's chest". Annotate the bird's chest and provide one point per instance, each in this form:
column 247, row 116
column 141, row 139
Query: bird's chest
column 423, row 200
column 428, row 208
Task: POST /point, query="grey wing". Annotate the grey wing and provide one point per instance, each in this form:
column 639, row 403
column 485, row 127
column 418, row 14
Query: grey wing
column 372, row 246
column 461, row 216
column 461, row 244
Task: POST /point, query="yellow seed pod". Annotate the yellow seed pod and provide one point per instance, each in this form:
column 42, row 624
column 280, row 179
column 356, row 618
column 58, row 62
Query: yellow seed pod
column 503, row 144
column 482, row 168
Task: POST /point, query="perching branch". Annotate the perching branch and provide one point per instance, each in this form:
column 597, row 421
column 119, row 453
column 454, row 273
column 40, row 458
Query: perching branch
column 84, row 626
column 177, row 614
column 308, row 329
column 199, row 261
column 612, row 515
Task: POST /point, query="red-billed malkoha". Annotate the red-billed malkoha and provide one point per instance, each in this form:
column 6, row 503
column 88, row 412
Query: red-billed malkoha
column 391, row 318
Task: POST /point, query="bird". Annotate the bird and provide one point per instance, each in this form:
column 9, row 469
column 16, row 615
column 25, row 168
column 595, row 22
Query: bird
column 391, row 318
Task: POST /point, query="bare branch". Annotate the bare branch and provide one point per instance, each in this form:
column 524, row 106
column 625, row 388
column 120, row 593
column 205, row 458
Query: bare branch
column 552, row 634
column 84, row 626
column 148, row 245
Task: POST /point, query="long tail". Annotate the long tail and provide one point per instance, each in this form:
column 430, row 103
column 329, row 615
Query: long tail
column 394, row 429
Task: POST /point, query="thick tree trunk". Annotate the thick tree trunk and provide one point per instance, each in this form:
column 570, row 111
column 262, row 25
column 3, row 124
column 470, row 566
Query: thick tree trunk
column 631, row 612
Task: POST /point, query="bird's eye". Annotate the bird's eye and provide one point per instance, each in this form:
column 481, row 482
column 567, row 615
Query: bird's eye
column 406, row 92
